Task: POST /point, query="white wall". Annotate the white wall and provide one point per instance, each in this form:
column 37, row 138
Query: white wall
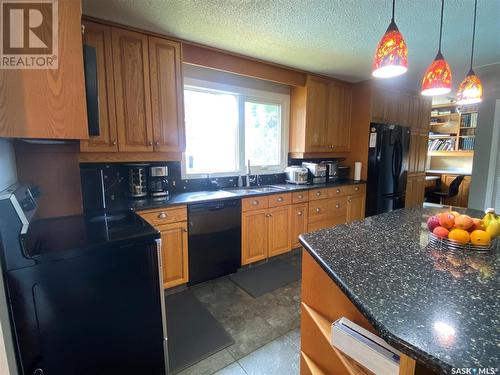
column 8, row 176
column 487, row 141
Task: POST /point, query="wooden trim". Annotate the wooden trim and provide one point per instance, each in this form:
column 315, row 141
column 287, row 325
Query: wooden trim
column 451, row 153
column 308, row 366
column 118, row 157
column 314, row 155
column 221, row 60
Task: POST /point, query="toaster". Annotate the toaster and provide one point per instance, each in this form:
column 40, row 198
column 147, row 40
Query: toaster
column 296, row 175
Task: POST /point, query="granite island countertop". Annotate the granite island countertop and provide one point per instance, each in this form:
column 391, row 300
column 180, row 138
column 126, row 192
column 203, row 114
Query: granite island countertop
column 192, row 197
column 440, row 307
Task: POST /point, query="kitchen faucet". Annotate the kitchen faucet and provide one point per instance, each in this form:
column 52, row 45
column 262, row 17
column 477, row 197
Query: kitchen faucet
column 255, row 179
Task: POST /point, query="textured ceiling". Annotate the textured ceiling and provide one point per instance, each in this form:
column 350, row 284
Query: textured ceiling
column 331, row 37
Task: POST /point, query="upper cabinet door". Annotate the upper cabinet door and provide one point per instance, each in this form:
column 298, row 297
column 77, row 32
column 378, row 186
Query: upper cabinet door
column 339, row 117
column 132, row 90
column 316, row 116
column 425, row 113
column 99, row 36
column 167, row 95
column 49, row 103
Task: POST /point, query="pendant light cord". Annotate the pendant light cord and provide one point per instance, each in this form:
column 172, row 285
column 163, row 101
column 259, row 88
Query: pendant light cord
column 473, row 34
column 441, row 27
column 393, row 7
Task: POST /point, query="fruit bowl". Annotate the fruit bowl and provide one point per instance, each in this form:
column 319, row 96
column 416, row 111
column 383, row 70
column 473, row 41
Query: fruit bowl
column 447, row 243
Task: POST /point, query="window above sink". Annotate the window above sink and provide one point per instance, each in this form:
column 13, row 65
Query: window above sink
column 228, row 125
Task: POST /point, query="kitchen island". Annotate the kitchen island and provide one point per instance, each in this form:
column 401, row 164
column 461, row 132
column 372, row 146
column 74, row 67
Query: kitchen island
column 439, row 308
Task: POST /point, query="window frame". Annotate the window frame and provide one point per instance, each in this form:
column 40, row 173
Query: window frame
column 243, row 95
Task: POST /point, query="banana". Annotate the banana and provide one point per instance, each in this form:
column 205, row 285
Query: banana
column 489, row 217
column 493, row 229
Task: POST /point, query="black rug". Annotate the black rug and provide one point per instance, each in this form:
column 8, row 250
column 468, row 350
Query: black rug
column 264, row 278
column 193, row 333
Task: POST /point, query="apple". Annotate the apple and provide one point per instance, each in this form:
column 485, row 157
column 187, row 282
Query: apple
column 432, row 223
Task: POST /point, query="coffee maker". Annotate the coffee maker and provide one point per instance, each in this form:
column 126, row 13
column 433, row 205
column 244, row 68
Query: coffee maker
column 137, row 180
column 158, row 183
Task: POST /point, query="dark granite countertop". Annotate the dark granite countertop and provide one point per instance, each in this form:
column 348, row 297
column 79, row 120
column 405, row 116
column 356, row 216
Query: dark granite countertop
column 222, row 194
column 437, row 306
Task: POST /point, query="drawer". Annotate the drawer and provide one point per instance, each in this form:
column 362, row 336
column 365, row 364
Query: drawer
column 254, row 203
column 277, row 200
column 357, row 189
column 337, row 205
column 318, row 210
column 316, row 194
column 338, row 191
column 165, row 216
column 300, row 196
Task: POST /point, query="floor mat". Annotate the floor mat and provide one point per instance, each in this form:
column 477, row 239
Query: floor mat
column 193, row 333
column 266, row 277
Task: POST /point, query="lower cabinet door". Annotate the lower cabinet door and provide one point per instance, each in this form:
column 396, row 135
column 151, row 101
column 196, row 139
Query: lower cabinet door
column 299, row 223
column 254, row 236
column 279, row 239
column 409, row 198
column 174, row 249
column 355, row 207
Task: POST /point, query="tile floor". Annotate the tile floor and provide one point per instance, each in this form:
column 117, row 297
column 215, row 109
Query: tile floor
column 265, row 330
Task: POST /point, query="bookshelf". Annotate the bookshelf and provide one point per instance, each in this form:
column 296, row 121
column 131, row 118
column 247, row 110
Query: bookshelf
column 452, row 130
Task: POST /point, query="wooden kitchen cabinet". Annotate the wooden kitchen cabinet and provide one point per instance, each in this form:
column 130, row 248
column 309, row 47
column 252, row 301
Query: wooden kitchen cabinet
column 172, row 224
column 99, row 36
column 355, row 207
column 167, row 104
column 279, row 238
column 320, row 117
column 298, row 223
column 174, row 253
column 132, row 90
column 48, row 103
column 254, row 236
column 415, row 190
column 462, row 198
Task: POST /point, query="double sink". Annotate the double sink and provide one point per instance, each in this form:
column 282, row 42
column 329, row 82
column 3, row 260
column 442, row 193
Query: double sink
column 228, row 193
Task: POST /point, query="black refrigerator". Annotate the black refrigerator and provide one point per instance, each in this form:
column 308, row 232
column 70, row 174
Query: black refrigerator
column 387, row 168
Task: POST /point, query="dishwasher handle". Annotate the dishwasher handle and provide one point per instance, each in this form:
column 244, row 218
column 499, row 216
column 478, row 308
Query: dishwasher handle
column 213, row 206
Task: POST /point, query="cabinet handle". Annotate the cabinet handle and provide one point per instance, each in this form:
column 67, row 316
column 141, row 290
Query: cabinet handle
column 356, row 188
column 113, row 143
column 157, row 143
column 337, row 205
column 185, row 230
column 350, row 201
column 150, row 143
column 318, row 193
column 162, row 215
column 300, row 196
column 318, row 209
column 337, row 191
column 280, row 199
column 255, row 203
column 299, row 213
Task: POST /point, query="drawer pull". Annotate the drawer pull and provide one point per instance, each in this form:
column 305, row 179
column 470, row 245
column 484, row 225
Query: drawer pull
column 350, row 201
column 300, row 196
column 337, row 205
column 162, row 215
column 255, row 203
column 338, row 191
column 299, row 213
column 280, row 199
column 356, row 188
column 318, row 209
column 318, row 193
column 185, row 230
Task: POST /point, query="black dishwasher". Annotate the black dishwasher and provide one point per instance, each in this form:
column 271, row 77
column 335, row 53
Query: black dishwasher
column 214, row 239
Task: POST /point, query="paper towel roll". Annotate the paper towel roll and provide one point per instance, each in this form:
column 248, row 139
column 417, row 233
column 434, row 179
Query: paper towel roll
column 357, row 171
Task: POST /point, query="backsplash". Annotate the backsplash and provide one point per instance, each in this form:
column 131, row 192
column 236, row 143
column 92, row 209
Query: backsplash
column 116, row 179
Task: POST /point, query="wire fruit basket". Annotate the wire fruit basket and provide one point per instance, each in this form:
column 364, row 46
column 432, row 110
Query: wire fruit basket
column 446, row 243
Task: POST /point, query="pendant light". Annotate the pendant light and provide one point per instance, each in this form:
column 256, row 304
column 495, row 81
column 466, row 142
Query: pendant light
column 437, row 77
column 391, row 56
column 470, row 90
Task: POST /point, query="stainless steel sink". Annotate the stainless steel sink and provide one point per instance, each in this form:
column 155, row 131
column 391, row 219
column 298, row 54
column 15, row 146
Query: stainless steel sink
column 217, row 194
column 256, row 189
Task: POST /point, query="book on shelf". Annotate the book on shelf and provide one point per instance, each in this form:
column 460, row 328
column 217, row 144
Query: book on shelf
column 468, row 120
column 466, row 143
column 440, row 144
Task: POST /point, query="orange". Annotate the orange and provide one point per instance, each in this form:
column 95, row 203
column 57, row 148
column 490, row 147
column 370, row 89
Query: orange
column 459, row 235
column 480, row 237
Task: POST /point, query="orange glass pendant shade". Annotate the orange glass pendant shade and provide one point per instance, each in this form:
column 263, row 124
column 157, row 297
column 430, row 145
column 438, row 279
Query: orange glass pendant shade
column 391, row 56
column 437, row 77
column 470, row 90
